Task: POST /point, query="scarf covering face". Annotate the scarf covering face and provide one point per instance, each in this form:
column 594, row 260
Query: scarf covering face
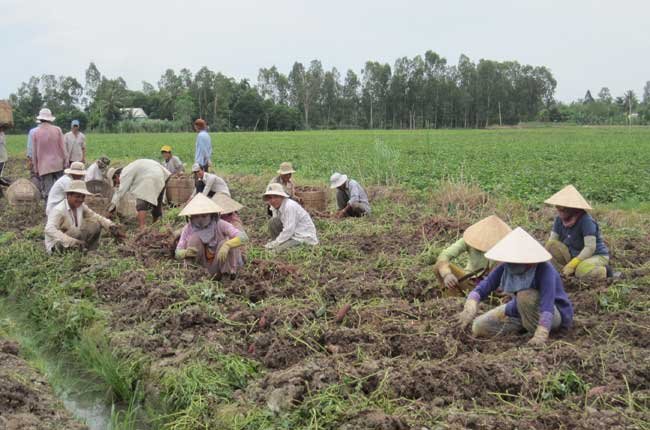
column 206, row 228
column 517, row 277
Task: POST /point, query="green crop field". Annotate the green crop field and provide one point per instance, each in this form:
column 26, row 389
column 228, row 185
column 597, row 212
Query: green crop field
column 272, row 349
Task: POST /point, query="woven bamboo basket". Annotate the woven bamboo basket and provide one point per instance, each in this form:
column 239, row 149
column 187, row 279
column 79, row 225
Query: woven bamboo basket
column 6, row 114
column 22, row 193
column 98, row 204
column 179, row 189
column 313, row 199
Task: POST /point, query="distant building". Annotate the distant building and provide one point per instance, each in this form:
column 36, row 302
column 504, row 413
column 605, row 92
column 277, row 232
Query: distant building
column 133, row 113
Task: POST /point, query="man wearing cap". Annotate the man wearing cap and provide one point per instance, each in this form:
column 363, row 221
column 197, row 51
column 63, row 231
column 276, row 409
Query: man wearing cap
column 351, row 198
column 73, row 225
column 476, row 240
column 539, row 304
column 48, row 151
column 203, row 149
column 97, row 170
column 208, row 184
column 576, row 242
column 291, row 225
column 211, row 241
column 57, row 192
column 75, row 143
column 146, row 181
column 171, row 162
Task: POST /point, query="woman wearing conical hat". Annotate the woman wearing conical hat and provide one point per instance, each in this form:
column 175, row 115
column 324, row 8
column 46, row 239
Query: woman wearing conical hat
column 476, row 240
column 576, row 243
column 211, row 241
column 539, row 303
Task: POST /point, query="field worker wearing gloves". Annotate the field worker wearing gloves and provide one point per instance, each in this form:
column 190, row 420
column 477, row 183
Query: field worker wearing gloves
column 57, row 193
column 208, row 184
column 171, row 162
column 75, row 143
column 212, row 242
column 203, row 149
column 48, row 151
column 146, row 180
column 291, row 225
column 97, row 170
column 73, row 225
column 476, row 240
column 575, row 243
column 351, row 198
column 539, row 304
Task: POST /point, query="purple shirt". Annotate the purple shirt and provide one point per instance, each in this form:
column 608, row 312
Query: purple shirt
column 551, row 294
column 48, row 151
column 224, row 230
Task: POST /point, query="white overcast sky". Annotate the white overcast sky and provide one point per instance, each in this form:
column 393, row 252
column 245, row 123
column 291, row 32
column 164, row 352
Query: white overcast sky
column 587, row 44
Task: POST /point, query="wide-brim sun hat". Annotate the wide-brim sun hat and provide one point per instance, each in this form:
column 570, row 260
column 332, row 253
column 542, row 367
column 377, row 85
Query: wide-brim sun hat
column 568, row 197
column 227, row 204
column 274, row 190
column 79, row 187
column 76, row 168
column 45, row 115
column 486, row 233
column 200, row 205
column 518, row 247
column 166, row 148
column 286, row 168
column 337, row 179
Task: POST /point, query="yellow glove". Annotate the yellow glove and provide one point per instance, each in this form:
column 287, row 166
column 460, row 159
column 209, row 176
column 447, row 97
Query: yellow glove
column 222, row 255
column 468, row 314
column 180, row 254
column 190, row 252
column 570, row 268
column 540, row 337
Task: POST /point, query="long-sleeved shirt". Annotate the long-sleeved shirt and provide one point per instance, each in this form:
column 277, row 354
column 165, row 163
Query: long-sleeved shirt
column 203, row 151
column 94, row 173
column 61, row 221
column 174, row 165
column 75, row 146
column 296, row 224
column 30, row 143
column 213, row 183
column 48, row 150
column 476, row 258
column 57, row 192
column 223, row 231
column 551, row 294
column 356, row 193
column 143, row 178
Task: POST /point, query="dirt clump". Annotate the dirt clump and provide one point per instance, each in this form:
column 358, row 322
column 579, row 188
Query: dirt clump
column 374, row 420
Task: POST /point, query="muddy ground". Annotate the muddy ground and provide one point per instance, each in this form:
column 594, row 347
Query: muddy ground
column 397, row 348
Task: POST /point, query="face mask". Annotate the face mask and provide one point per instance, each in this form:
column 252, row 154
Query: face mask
column 516, row 269
column 201, row 221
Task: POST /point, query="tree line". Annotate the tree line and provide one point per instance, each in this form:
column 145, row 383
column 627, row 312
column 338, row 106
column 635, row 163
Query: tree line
column 419, row 92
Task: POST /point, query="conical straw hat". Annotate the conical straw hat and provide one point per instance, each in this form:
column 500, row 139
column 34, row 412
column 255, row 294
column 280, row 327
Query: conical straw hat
column 486, row 233
column 568, row 197
column 227, row 204
column 200, row 204
column 518, row 247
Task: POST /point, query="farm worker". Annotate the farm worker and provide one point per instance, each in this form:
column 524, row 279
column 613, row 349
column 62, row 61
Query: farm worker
column 97, row 170
column 208, row 183
column 211, row 241
column 351, row 198
column 75, row 143
column 230, row 209
column 576, row 243
column 539, row 304
column 285, row 179
column 48, row 151
column 30, row 165
column 290, row 225
column 146, row 180
column 71, row 224
column 203, row 150
column 57, row 192
column 476, row 240
column 4, row 156
column 171, row 162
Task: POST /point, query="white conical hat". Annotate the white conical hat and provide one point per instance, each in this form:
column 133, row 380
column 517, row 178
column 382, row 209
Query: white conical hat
column 486, row 233
column 227, row 204
column 568, row 197
column 200, row 204
column 518, row 247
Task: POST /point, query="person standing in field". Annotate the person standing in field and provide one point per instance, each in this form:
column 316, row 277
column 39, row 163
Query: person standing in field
column 208, row 184
column 576, row 242
column 539, row 303
column 171, row 162
column 97, row 170
column 291, row 224
column 48, row 151
column 203, row 150
column 57, row 192
column 4, row 156
column 476, row 240
column 351, row 198
column 75, row 143
column 30, row 164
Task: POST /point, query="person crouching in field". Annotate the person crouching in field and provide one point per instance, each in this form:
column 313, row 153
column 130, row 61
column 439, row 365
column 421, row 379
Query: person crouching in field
column 97, row 170
column 171, row 162
column 476, row 240
column 285, row 178
column 539, row 304
column 351, row 198
column 146, row 180
column 576, row 243
column 211, row 241
column 290, row 225
column 208, row 184
column 57, row 192
column 73, row 225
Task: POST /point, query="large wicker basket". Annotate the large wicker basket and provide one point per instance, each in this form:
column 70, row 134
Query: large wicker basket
column 179, row 189
column 22, row 193
column 98, row 204
column 313, row 199
column 6, row 114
